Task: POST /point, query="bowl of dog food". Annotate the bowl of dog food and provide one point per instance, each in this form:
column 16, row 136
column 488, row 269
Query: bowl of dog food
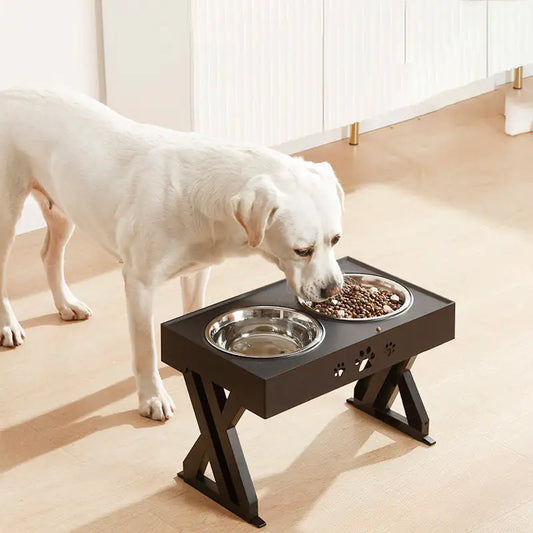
column 364, row 297
column 264, row 332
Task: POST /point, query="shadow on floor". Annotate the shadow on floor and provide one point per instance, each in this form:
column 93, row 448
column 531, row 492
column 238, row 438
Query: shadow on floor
column 309, row 477
column 17, row 445
column 294, row 491
column 51, row 319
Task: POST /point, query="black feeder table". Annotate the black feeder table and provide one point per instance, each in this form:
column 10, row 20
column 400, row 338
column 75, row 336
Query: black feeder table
column 379, row 361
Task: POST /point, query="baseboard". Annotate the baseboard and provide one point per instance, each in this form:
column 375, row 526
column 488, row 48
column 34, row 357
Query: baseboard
column 399, row 115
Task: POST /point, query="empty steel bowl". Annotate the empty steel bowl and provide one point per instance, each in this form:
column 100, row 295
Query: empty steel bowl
column 369, row 280
column 264, row 332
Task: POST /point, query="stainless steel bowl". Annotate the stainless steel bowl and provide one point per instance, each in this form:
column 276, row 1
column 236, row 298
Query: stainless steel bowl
column 264, row 332
column 369, row 280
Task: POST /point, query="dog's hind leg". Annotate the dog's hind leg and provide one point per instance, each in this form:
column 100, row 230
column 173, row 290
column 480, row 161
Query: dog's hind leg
column 12, row 197
column 193, row 289
column 60, row 230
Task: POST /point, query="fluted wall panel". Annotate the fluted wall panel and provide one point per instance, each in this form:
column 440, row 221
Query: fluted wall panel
column 257, row 69
column 510, row 34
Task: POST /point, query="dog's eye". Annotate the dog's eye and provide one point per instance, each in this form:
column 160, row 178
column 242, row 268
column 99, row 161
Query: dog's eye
column 335, row 240
column 304, row 252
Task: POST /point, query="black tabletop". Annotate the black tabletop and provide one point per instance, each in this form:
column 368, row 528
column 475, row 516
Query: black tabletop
column 184, row 345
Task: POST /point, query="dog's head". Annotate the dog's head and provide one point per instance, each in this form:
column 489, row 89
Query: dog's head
column 295, row 221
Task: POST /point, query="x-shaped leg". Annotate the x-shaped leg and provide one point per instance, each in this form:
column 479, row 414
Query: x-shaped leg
column 376, row 393
column 219, row 445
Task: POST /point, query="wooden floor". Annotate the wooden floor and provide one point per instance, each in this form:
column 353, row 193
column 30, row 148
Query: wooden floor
column 445, row 201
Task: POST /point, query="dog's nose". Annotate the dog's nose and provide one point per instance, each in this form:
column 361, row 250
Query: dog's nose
column 330, row 290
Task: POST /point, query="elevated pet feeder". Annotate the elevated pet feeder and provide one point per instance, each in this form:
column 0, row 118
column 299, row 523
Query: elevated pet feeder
column 272, row 354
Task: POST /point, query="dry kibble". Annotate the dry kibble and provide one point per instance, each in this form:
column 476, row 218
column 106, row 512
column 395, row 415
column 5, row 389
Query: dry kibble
column 378, row 329
column 358, row 301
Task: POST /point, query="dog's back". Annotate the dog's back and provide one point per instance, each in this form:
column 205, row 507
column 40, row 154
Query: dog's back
column 35, row 124
column 68, row 147
column 36, row 120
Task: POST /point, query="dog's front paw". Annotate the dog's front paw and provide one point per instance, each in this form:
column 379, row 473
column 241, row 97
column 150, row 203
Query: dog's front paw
column 74, row 310
column 11, row 334
column 157, row 406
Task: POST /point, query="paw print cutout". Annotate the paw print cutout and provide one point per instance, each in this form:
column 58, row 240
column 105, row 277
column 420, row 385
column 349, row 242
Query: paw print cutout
column 363, row 361
column 389, row 348
column 339, row 370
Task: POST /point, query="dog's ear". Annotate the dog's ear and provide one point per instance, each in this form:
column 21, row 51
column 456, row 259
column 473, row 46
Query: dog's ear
column 255, row 206
column 327, row 170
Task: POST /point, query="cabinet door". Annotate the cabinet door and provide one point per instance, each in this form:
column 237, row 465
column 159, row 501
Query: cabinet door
column 257, row 69
column 363, row 59
column 510, row 34
column 446, row 42
column 382, row 55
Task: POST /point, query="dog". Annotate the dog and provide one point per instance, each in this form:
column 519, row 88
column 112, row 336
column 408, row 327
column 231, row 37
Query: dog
column 165, row 204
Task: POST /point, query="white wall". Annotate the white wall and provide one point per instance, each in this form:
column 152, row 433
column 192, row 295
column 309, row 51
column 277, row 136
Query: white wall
column 50, row 43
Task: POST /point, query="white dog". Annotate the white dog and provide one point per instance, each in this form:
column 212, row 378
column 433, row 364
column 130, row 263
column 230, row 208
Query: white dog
column 165, row 204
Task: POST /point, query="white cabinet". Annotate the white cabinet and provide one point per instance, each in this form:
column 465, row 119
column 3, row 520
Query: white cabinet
column 235, row 69
column 381, row 55
column 510, row 29
column 257, row 69
column 272, row 71
column 363, row 59
column 446, row 44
